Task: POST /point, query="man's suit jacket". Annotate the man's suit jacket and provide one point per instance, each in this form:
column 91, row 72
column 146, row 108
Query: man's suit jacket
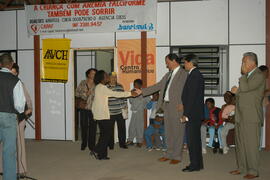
column 175, row 90
column 193, row 97
column 249, row 98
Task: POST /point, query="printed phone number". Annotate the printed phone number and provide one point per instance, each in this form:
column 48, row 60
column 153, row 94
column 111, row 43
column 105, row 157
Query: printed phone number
column 87, row 24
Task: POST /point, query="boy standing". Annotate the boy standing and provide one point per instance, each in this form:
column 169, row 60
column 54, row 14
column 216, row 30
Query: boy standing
column 136, row 126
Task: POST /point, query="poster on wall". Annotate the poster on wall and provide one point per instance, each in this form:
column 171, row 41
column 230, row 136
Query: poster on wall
column 92, row 17
column 55, row 60
column 129, row 61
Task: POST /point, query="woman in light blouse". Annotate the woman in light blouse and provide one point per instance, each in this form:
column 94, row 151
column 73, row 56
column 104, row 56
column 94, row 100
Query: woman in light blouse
column 100, row 109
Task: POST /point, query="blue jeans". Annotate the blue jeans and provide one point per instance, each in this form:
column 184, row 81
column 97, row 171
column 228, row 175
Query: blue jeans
column 160, row 133
column 150, row 131
column 211, row 131
column 148, row 136
column 8, row 135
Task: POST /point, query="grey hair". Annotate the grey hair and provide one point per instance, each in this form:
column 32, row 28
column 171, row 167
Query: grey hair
column 252, row 56
column 6, row 59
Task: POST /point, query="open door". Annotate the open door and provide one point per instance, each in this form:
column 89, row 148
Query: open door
column 101, row 59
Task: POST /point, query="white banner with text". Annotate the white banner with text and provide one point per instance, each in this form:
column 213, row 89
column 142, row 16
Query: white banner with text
column 92, row 17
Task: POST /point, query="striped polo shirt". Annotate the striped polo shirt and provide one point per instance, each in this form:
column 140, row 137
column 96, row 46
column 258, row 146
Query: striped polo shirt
column 116, row 104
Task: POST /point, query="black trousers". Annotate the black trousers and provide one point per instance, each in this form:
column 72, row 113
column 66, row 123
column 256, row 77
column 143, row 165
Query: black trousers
column 105, row 127
column 88, row 129
column 121, row 127
column 194, row 145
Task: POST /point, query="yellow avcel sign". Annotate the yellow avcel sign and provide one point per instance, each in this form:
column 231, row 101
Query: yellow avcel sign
column 55, row 60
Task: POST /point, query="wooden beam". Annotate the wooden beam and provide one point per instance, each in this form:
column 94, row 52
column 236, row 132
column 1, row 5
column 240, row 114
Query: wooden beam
column 267, row 124
column 11, row 7
column 37, row 87
column 144, row 67
column 143, row 61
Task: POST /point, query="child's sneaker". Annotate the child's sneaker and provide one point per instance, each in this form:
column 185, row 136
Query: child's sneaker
column 164, row 149
column 204, row 150
column 149, row 149
column 225, row 150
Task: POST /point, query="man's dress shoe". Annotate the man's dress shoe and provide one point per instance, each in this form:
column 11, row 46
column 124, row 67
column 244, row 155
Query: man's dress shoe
column 189, row 169
column 250, row 176
column 163, row 159
column 235, row 172
column 83, row 147
column 103, row 158
column 124, row 147
column 173, row 161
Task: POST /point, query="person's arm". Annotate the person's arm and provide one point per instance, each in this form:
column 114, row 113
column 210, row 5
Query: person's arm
column 146, row 101
column 225, row 112
column 18, row 97
column 220, row 120
column 131, row 100
column 248, row 86
column 80, row 90
column 123, row 101
column 27, row 98
column 155, row 88
column 111, row 93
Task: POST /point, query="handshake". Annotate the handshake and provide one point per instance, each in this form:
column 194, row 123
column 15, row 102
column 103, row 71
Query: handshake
column 136, row 92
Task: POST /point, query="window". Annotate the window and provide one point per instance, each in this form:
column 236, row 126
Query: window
column 213, row 64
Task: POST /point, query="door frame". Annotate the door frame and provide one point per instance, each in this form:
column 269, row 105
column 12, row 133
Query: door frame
column 76, row 120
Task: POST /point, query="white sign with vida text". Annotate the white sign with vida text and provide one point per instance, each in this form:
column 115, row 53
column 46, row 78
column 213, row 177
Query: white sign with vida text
column 92, row 17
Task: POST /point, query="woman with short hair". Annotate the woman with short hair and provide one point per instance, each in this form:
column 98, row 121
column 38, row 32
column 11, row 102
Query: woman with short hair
column 101, row 112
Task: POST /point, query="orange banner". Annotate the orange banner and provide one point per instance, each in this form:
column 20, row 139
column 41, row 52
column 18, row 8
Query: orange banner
column 129, row 61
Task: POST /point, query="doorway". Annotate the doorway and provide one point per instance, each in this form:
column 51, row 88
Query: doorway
column 100, row 59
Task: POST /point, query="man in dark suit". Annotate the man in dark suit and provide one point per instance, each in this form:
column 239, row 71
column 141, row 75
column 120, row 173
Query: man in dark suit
column 170, row 88
column 193, row 101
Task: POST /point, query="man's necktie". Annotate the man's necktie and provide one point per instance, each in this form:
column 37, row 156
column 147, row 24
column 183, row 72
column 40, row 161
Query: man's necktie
column 167, row 83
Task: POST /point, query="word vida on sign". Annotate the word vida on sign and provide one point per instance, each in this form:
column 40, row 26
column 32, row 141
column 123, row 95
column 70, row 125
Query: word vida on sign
column 129, row 57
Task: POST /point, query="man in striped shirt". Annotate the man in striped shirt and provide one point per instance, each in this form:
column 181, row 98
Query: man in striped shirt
column 116, row 106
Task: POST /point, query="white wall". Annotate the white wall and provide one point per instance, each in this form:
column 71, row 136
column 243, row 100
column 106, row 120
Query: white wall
column 103, row 60
column 8, row 30
column 236, row 54
column 91, row 40
column 161, row 52
column 199, row 22
column 26, row 63
column 163, row 34
column 247, row 21
column 238, row 24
